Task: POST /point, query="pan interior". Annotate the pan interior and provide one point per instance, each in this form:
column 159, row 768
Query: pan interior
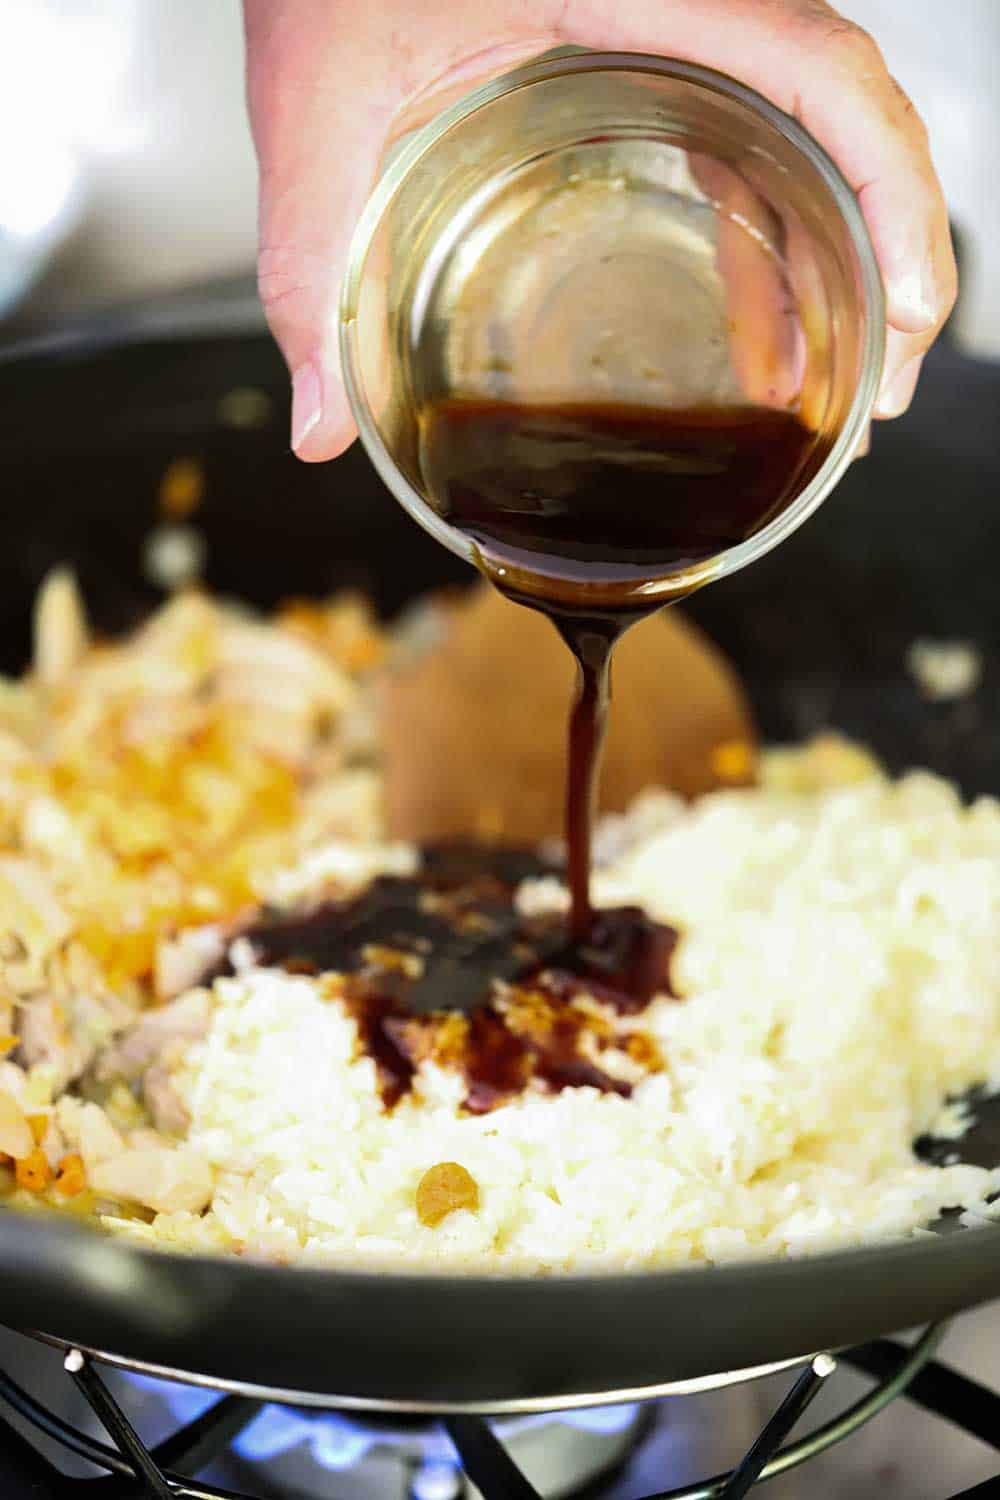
column 861, row 582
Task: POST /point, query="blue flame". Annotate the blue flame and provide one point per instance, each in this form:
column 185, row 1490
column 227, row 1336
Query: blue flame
column 606, row 1419
column 436, row 1480
column 186, row 1402
column 338, row 1441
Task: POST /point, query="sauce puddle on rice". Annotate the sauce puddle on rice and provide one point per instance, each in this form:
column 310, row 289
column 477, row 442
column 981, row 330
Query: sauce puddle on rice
column 443, row 964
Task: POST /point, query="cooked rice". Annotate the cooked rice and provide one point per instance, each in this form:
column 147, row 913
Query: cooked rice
column 841, row 980
column 838, row 965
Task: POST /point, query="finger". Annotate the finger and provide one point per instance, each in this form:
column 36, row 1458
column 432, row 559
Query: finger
column 318, row 150
column 816, row 65
column 897, row 393
column 765, row 349
column 328, row 85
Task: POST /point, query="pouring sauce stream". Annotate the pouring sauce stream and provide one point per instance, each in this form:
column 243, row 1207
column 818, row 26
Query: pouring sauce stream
column 574, row 509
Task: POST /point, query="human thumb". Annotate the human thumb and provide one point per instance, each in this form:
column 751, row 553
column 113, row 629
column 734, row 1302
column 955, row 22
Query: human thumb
column 318, row 150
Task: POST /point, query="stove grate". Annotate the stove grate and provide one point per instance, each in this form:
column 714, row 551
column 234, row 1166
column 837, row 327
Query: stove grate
column 133, row 1469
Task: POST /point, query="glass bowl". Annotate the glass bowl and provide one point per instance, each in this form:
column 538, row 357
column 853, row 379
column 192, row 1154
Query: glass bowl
column 616, row 228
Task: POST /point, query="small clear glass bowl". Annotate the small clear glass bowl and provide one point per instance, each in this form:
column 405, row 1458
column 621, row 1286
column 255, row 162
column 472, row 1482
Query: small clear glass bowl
column 610, row 227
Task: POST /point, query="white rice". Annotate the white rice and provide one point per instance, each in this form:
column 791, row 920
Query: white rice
column 841, row 972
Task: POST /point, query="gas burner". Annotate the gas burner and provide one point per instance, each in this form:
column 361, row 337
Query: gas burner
column 244, row 1448
column 291, row 1451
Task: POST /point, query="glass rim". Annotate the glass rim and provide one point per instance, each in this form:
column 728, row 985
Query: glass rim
column 410, row 154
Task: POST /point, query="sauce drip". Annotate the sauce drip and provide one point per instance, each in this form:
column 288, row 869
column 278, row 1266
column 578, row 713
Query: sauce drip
column 444, row 964
column 591, row 642
column 573, row 508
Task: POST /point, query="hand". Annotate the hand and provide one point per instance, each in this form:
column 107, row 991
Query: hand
column 327, row 79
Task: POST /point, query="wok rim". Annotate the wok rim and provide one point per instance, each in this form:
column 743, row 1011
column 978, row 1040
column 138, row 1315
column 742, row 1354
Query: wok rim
column 147, row 1306
column 525, row 1406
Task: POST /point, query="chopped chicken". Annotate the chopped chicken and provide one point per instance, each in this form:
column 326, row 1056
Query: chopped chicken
column 16, row 1138
column 87, row 1127
column 181, row 961
column 183, row 1020
column 66, row 1034
column 46, row 1039
column 162, row 1179
column 30, row 909
column 165, row 1106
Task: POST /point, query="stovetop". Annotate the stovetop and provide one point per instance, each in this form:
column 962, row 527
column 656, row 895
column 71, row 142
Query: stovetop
column 939, row 1439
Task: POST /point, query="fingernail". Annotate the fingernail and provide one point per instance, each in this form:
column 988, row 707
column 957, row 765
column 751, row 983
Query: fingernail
column 914, row 300
column 864, row 443
column 307, row 403
column 897, row 395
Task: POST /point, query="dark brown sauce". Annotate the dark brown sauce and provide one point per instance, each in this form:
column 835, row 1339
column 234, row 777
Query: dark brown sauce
column 602, row 494
column 591, row 642
column 443, row 964
column 381, row 1023
column 573, row 508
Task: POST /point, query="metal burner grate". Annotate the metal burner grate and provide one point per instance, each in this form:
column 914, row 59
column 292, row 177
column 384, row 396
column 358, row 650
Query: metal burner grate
column 160, row 1472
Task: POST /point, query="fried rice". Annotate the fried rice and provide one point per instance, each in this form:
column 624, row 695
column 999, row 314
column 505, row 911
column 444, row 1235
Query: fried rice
column 836, row 985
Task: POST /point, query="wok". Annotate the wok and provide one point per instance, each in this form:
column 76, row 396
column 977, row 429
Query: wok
column 819, row 629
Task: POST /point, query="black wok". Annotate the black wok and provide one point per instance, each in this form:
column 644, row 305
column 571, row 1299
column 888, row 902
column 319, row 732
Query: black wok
column 820, row 629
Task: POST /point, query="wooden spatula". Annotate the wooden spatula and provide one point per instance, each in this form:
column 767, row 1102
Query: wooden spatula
column 474, row 730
